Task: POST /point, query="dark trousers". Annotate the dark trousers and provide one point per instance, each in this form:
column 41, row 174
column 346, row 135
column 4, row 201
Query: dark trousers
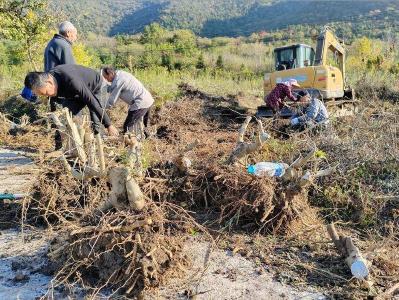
column 133, row 116
column 75, row 107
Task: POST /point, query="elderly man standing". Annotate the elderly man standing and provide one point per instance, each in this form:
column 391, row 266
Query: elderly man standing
column 130, row 90
column 59, row 49
column 59, row 52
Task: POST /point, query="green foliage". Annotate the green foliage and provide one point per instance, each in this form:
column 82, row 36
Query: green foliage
column 84, row 57
column 256, row 18
column 184, row 42
column 4, row 59
column 219, row 62
column 153, row 34
column 200, row 65
column 26, row 22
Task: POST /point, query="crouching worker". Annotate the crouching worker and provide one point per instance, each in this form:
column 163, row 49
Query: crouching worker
column 130, row 90
column 315, row 112
column 78, row 87
column 275, row 100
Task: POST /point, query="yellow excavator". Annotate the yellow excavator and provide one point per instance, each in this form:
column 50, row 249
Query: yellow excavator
column 320, row 72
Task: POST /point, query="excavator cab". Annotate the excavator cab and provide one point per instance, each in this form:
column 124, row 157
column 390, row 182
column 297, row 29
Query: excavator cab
column 294, row 56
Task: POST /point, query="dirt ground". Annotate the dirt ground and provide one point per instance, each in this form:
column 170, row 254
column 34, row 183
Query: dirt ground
column 220, row 274
column 214, row 274
column 235, row 251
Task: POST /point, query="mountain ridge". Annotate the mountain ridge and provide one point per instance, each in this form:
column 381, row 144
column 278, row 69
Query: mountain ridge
column 210, row 18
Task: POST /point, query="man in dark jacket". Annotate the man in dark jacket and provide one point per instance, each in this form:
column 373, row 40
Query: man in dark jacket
column 77, row 87
column 59, row 52
column 59, row 49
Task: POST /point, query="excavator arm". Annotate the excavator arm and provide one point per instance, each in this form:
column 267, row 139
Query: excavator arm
column 326, row 42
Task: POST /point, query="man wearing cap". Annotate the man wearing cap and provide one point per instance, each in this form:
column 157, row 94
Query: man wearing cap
column 275, row 99
column 78, row 87
column 59, row 52
column 315, row 112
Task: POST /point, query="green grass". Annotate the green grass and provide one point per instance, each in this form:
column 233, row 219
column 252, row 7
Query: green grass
column 164, row 84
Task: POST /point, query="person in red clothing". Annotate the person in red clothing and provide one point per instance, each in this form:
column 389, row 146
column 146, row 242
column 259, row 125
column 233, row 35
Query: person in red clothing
column 275, row 99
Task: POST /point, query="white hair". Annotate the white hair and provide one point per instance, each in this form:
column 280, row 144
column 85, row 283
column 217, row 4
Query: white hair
column 65, row 26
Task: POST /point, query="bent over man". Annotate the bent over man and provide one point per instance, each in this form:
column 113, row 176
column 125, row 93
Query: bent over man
column 77, row 86
column 130, row 90
column 275, row 99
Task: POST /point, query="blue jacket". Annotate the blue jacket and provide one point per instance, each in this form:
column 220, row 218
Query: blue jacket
column 316, row 112
column 58, row 52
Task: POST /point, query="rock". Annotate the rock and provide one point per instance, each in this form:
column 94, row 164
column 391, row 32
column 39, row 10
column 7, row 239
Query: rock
column 20, row 276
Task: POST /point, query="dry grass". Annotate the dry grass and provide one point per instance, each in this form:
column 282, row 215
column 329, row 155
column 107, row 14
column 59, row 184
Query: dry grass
column 285, row 223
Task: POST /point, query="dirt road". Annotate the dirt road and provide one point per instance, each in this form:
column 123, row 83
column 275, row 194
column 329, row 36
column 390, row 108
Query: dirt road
column 22, row 254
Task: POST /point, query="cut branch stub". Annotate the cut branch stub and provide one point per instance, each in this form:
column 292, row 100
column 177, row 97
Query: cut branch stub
column 293, row 171
column 242, row 148
column 182, row 162
column 134, row 194
column 73, row 130
column 124, row 191
column 100, row 154
column 134, row 148
column 353, row 257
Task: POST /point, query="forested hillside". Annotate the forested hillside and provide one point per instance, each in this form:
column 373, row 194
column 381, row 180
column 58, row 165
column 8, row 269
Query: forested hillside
column 232, row 17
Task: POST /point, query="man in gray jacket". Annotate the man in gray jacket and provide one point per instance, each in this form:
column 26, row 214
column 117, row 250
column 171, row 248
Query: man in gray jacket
column 59, row 52
column 126, row 87
column 315, row 112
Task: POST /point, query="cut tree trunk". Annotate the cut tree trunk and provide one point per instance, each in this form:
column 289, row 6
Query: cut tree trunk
column 182, row 162
column 352, row 254
column 125, row 192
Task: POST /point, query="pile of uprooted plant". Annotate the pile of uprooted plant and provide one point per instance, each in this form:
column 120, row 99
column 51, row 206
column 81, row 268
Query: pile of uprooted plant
column 124, row 230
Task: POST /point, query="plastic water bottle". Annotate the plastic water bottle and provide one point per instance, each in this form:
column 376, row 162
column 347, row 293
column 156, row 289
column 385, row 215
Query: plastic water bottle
column 267, row 169
column 359, row 269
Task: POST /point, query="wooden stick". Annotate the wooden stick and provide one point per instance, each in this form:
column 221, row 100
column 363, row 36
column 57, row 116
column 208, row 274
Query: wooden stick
column 134, row 194
column 325, row 172
column 90, row 148
column 292, row 171
column 100, row 154
column 243, row 129
column 54, row 118
column 242, row 149
column 302, row 161
column 76, row 136
column 388, row 293
column 332, row 232
column 347, row 248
